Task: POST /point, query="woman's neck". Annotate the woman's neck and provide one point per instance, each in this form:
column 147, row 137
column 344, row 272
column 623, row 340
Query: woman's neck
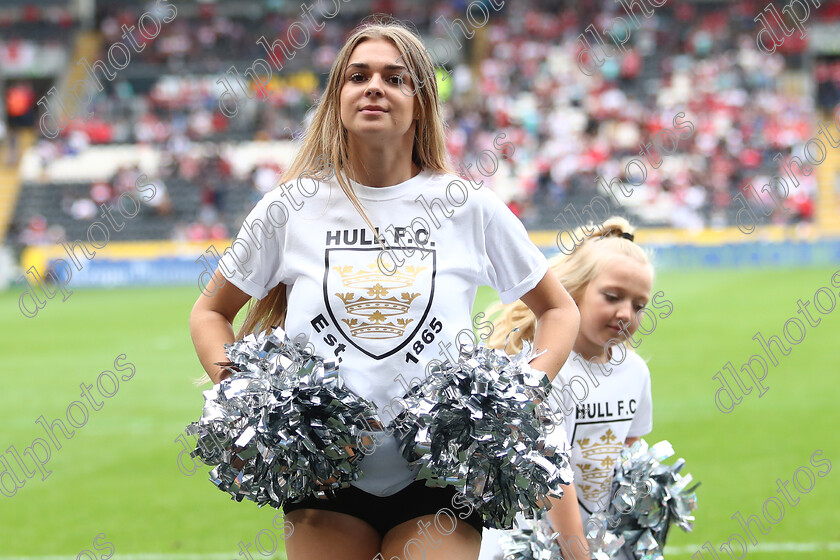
column 377, row 165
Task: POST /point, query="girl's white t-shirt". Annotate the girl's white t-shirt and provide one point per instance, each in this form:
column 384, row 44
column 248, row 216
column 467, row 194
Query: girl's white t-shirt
column 617, row 405
column 383, row 314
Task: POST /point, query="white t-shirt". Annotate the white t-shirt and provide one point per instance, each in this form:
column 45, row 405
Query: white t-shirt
column 380, row 325
column 619, row 407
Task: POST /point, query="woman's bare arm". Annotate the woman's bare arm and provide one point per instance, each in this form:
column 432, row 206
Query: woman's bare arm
column 558, row 320
column 211, row 324
column 564, row 517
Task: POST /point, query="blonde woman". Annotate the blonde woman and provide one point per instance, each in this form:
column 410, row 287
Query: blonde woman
column 357, row 270
column 610, row 278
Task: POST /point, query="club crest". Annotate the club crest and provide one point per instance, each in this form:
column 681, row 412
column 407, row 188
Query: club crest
column 375, row 312
column 594, row 473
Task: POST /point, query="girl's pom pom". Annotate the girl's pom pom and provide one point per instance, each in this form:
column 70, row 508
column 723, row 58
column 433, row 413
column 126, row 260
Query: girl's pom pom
column 482, row 425
column 539, row 541
column 654, row 497
column 282, row 426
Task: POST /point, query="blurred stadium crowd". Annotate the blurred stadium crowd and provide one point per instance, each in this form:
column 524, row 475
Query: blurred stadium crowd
column 518, row 75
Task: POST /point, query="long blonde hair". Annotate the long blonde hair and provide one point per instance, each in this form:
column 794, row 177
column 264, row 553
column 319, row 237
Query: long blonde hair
column 326, row 139
column 574, row 271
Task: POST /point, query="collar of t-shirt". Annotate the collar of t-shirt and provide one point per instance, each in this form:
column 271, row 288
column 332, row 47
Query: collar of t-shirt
column 390, row 192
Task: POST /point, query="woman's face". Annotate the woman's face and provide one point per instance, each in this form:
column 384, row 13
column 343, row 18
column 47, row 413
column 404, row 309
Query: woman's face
column 615, row 295
column 372, row 106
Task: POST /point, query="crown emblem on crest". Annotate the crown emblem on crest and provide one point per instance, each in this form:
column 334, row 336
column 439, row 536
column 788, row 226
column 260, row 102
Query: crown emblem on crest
column 600, row 457
column 377, row 301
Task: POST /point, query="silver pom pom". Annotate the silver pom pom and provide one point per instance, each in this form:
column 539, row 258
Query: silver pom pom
column 603, row 545
column 282, row 426
column 649, row 497
column 482, row 426
column 537, row 542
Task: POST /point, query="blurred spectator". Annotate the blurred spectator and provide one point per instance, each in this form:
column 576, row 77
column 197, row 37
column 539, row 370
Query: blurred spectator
column 35, row 232
column 20, row 105
column 161, row 202
column 83, row 209
column 20, row 113
column 101, row 193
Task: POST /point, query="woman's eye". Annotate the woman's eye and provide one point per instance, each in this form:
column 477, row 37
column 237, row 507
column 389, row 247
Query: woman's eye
column 639, row 308
column 357, row 77
column 611, row 297
column 395, row 79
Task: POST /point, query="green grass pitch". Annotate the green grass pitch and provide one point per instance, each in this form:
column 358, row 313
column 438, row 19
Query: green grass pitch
column 118, row 474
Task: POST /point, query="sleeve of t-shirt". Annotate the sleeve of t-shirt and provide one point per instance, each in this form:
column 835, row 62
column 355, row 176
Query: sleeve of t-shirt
column 569, row 426
column 563, row 407
column 253, row 261
column 565, row 427
column 514, row 265
column 642, row 422
column 569, row 411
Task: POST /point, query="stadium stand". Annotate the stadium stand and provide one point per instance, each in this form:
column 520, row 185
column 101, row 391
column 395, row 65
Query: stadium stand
column 569, row 129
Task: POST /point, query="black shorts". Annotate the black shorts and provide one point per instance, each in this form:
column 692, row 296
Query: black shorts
column 383, row 514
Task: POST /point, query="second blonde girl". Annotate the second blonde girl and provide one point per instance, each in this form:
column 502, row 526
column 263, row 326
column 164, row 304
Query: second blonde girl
column 602, row 394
